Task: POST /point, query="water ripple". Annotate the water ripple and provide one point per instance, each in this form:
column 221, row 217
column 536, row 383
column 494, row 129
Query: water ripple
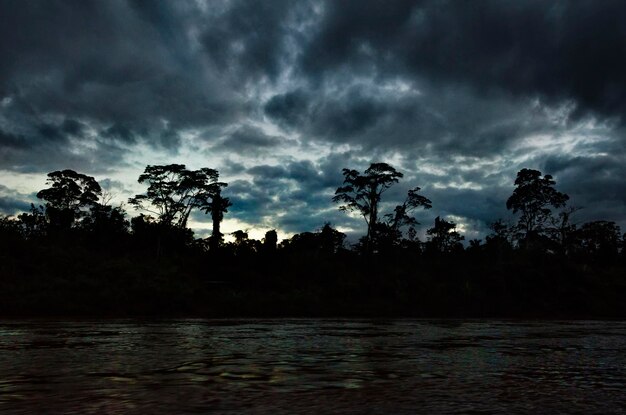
column 312, row 366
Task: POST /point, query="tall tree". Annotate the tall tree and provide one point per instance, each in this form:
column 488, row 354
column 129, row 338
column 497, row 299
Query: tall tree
column 217, row 207
column 331, row 240
column 563, row 231
column 498, row 242
column 105, row 224
column 444, row 237
column 173, row 192
column 599, row 239
column 533, row 197
column 69, row 193
column 400, row 216
column 33, row 224
column 363, row 192
column 270, row 241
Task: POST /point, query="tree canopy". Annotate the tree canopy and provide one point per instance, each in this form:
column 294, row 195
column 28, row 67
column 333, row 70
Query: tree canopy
column 68, row 193
column 363, row 192
column 218, row 206
column 444, row 237
column 533, row 198
column 105, row 263
column 174, row 191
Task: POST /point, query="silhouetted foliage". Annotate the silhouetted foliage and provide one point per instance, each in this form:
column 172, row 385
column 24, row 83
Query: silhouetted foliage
column 98, row 264
column 105, row 225
column 331, row 240
column 10, row 230
column 498, row 244
column 69, row 193
column 243, row 246
column 563, row 231
column 173, row 192
column 34, row 224
column 444, row 237
column 599, row 239
column 218, row 206
column 270, row 241
column 157, row 238
column 327, row 241
column 400, row 216
column 240, row 237
column 533, row 197
column 363, row 193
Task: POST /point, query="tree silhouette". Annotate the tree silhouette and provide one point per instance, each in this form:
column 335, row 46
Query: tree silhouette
column 173, row 192
column 362, row 193
column 563, row 231
column 240, row 237
column 498, row 243
column 105, row 224
column 217, row 207
column 327, row 241
column 400, row 216
column 33, row 224
column 331, row 240
column 10, row 233
column 243, row 245
column 159, row 238
column 270, row 241
column 68, row 194
column 533, row 196
column 444, row 237
column 599, row 239
column 157, row 267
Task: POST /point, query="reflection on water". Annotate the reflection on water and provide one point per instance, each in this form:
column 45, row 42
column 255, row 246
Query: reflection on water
column 312, row 366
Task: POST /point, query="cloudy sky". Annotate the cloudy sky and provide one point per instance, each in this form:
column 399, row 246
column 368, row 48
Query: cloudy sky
column 279, row 96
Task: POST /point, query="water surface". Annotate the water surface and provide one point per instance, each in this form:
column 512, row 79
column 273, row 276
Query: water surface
column 312, row 366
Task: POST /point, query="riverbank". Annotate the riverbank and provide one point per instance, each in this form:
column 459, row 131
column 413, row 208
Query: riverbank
column 80, row 282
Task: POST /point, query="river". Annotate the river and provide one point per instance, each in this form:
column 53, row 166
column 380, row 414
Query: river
column 316, row 366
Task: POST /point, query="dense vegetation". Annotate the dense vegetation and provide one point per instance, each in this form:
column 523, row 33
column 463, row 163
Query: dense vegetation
column 77, row 255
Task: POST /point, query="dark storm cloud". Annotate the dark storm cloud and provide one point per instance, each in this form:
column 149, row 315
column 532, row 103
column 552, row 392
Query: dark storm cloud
column 12, row 206
column 484, row 206
column 126, row 68
column 247, row 139
column 49, row 146
column 449, row 91
column 13, row 202
column 249, row 38
column 10, row 141
column 443, row 120
column 112, row 186
column 595, row 184
column 558, row 50
column 290, row 109
column 73, row 127
column 338, row 118
column 120, row 132
column 51, row 132
column 231, row 168
column 294, row 196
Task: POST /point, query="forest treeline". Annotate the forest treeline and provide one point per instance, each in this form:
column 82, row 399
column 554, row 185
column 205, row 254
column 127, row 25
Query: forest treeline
column 77, row 254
